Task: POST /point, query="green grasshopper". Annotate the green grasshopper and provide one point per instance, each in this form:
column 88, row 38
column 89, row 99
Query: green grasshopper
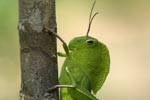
column 85, row 68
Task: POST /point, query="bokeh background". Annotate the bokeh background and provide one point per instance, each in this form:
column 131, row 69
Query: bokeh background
column 123, row 25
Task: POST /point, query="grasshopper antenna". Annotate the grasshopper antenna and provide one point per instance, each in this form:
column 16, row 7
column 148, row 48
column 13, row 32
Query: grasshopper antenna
column 91, row 18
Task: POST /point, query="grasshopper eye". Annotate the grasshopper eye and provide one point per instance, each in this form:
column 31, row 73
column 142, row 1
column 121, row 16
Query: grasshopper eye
column 89, row 41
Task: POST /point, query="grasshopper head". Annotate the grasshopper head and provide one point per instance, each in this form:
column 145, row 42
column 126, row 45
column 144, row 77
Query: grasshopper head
column 82, row 42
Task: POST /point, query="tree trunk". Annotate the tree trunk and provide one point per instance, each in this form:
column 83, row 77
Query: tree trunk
column 37, row 49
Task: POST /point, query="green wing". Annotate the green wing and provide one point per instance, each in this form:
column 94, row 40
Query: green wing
column 76, row 92
column 102, row 70
column 79, row 93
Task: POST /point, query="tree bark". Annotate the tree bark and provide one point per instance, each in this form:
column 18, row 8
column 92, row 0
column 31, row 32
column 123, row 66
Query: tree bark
column 37, row 49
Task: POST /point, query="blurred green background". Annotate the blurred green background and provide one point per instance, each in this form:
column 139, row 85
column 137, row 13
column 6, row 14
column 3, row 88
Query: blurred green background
column 123, row 25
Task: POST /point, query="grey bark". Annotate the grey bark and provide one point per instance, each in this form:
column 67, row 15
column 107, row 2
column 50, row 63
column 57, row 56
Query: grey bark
column 37, row 49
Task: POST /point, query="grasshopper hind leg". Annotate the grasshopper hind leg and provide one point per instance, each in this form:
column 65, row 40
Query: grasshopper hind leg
column 65, row 86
